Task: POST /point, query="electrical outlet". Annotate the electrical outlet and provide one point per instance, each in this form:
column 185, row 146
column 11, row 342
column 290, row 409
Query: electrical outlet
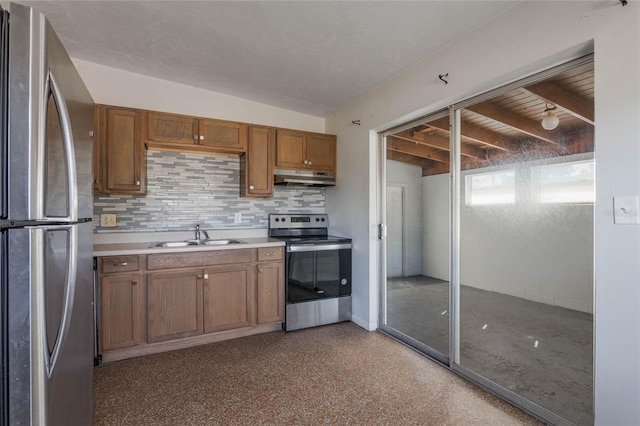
column 108, row 220
column 237, row 218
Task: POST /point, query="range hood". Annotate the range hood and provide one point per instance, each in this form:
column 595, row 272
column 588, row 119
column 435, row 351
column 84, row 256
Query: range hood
column 304, row 178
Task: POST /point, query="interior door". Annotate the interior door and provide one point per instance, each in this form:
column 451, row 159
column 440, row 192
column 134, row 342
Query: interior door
column 395, row 233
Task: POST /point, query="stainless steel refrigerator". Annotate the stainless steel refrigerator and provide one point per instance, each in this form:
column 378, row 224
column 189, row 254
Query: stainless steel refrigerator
column 46, row 233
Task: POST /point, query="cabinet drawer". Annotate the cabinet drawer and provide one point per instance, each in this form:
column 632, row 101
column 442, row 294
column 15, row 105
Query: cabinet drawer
column 119, row 264
column 196, row 259
column 269, row 253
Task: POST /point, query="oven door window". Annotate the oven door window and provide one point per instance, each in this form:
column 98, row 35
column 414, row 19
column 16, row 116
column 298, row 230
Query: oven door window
column 313, row 275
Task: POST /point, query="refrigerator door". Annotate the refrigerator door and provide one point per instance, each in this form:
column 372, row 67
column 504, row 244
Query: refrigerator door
column 50, row 278
column 4, row 108
column 51, row 122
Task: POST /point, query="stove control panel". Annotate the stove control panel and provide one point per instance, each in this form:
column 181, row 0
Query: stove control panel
column 298, row 221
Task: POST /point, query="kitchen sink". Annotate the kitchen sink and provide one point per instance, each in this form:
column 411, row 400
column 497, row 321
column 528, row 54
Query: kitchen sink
column 174, row 244
column 190, row 243
column 219, row 242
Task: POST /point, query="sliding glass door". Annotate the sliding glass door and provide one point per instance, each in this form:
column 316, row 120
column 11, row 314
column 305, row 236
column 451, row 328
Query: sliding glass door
column 512, row 307
column 417, row 187
column 526, row 243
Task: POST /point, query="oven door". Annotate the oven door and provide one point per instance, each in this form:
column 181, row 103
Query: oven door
column 318, row 271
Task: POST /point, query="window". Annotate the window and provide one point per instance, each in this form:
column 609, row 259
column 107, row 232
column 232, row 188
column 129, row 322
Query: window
column 490, row 188
column 565, row 182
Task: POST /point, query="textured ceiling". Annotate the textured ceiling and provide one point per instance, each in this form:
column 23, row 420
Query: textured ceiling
column 313, row 57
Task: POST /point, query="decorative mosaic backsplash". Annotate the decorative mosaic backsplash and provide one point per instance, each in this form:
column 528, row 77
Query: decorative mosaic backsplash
column 188, row 189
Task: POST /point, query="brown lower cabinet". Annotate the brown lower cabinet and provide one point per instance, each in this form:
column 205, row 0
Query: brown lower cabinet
column 228, row 297
column 185, row 299
column 174, row 305
column 120, row 297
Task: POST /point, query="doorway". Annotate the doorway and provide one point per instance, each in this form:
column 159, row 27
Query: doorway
column 504, row 294
column 395, row 233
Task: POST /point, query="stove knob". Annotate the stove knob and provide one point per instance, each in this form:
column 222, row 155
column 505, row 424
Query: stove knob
column 322, row 219
column 284, row 219
column 277, row 219
column 317, row 219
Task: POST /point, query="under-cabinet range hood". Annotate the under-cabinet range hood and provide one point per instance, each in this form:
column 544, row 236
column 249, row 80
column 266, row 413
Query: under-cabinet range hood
column 304, row 178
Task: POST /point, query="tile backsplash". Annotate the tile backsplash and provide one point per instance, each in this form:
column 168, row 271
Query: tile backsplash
column 186, row 189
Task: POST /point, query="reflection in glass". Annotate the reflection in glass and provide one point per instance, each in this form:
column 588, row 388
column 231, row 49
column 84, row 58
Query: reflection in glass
column 417, row 240
column 526, row 255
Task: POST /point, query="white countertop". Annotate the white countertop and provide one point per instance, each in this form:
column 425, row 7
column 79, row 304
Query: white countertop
column 118, row 244
column 119, row 249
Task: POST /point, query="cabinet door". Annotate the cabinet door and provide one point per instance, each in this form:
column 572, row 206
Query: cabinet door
column 178, row 129
column 125, row 160
column 321, row 152
column 174, row 305
column 270, row 298
column 120, row 319
column 98, row 155
column 228, row 298
column 224, row 135
column 258, row 162
column 290, row 150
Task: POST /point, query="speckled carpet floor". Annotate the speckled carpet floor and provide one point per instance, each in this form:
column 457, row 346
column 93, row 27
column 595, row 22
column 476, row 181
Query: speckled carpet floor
column 333, row 375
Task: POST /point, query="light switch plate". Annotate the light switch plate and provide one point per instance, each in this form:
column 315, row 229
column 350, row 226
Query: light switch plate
column 625, row 210
column 108, row 220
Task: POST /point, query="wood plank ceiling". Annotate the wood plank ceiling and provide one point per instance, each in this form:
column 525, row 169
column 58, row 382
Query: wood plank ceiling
column 507, row 128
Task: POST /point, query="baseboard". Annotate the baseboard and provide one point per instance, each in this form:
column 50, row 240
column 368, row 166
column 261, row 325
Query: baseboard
column 369, row 326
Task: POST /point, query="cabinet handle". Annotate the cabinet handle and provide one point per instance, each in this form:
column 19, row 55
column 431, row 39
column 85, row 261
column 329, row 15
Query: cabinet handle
column 309, row 162
column 137, row 182
column 250, row 186
column 120, row 264
column 305, row 161
column 201, row 277
column 201, row 137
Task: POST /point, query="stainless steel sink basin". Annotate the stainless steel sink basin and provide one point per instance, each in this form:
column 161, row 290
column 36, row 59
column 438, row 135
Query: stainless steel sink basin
column 177, row 244
column 190, row 243
column 219, row 242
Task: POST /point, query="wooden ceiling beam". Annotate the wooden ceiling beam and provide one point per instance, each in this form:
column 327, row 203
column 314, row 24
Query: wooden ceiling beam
column 437, row 169
column 576, row 105
column 516, row 121
column 410, row 159
column 439, row 142
column 418, row 150
column 478, row 134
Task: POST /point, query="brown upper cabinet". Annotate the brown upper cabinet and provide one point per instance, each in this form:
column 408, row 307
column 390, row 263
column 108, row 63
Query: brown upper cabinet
column 184, row 133
column 256, row 166
column 119, row 160
column 172, row 128
column 304, row 150
column 98, row 154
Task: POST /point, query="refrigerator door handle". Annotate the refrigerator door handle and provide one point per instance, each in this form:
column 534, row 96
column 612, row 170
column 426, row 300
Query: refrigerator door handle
column 51, row 358
column 67, row 134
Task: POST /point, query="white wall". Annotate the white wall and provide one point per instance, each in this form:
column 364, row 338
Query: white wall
column 435, row 222
column 111, row 86
column 410, row 178
column 527, row 38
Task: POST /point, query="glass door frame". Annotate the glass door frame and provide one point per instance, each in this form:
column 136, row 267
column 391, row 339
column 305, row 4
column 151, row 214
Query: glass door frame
column 382, row 231
column 453, row 360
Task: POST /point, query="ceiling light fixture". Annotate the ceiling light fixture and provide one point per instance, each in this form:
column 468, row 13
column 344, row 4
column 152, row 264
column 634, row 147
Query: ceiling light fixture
column 550, row 118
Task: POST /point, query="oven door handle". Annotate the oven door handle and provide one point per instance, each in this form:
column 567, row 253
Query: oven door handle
column 317, row 247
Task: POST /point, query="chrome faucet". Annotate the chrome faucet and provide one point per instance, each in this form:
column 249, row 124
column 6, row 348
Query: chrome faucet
column 197, row 232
